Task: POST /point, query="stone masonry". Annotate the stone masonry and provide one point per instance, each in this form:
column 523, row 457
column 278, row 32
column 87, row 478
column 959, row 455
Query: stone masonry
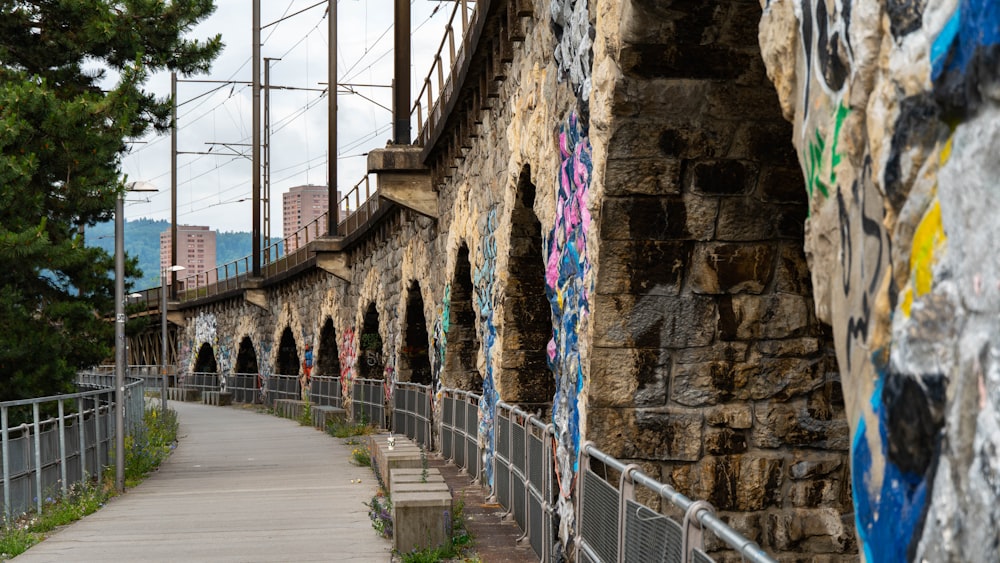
column 712, row 238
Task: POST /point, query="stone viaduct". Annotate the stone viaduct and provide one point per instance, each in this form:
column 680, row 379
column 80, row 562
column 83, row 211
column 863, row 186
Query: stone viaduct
column 743, row 244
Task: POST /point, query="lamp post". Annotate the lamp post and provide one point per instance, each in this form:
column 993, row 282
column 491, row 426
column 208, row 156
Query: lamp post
column 164, row 360
column 120, row 329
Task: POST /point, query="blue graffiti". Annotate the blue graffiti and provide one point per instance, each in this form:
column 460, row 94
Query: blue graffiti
column 568, row 292
column 887, row 520
column 484, row 280
column 974, row 25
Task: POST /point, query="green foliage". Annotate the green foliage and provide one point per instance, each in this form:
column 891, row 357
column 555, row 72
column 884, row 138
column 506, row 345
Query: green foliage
column 62, row 134
column 348, row 429
column 380, row 513
column 305, row 417
column 454, row 550
column 148, row 446
column 361, row 457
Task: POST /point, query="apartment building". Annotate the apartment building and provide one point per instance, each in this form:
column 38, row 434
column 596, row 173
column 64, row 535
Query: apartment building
column 301, row 206
column 195, row 251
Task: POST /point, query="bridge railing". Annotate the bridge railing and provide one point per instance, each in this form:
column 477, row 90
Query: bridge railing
column 413, row 412
column 282, row 386
column 439, row 84
column 45, row 454
column 245, row 387
column 325, row 390
column 460, row 430
column 368, row 402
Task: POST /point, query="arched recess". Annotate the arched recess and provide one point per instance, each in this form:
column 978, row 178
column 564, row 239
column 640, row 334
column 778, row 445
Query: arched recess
column 245, row 382
column 463, row 343
column 414, row 363
column 246, row 357
column 371, row 361
column 525, row 378
column 328, row 360
column 288, row 357
column 205, row 362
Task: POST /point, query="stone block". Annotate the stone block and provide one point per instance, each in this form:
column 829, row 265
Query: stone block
column 779, row 425
column 421, row 519
column 782, row 184
column 731, row 268
column 651, row 176
column 643, row 267
column 722, row 177
column 660, row 434
column 684, row 217
column 407, row 475
column 818, row 530
column 790, row 348
column 629, row 377
column 323, row 415
column 749, row 219
column 405, row 455
column 653, row 321
column 758, row 317
column 289, row 408
column 792, row 273
column 738, row 416
column 723, row 441
column 710, row 383
column 716, row 351
column 769, row 142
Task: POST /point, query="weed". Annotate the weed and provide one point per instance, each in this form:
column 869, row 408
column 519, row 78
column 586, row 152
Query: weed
column 380, row 513
column 340, row 429
column 144, row 451
column 305, row 417
column 361, row 457
column 460, row 541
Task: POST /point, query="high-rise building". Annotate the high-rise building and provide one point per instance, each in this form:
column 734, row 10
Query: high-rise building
column 195, row 251
column 301, row 206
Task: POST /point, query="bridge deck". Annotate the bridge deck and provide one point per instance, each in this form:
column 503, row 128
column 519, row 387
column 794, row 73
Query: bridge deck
column 241, row 486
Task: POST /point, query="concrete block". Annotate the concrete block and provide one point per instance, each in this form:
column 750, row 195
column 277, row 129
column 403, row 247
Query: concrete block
column 421, row 519
column 183, row 394
column 323, row 415
column 405, row 455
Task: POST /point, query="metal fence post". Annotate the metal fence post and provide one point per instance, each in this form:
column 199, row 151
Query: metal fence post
column 62, row 447
column 83, row 436
column 6, row 463
column 36, row 429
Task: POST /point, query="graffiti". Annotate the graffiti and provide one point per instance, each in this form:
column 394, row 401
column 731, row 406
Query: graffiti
column 574, row 52
column 348, row 357
column 263, row 351
column 484, row 281
column 898, row 120
column 439, row 344
column 568, row 285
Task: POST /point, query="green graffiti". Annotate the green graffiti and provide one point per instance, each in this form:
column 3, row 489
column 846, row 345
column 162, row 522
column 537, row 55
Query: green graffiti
column 818, row 176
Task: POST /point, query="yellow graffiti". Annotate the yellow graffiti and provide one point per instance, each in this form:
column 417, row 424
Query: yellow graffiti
column 928, row 241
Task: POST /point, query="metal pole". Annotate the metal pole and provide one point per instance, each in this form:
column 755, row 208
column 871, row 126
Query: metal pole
column 164, row 347
column 62, row 448
column 333, row 205
column 6, row 462
column 401, row 80
column 173, row 183
column 266, row 197
column 120, row 342
column 255, row 230
column 82, row 431
column 37, row 431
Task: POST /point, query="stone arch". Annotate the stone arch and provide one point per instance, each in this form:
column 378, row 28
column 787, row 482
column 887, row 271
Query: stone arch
column 205, row 361
column 525, row 377
column 246, row 357
column 414, row 361
column 287, row 360
column 328, row 353
column 462, row 349
column 371, row 357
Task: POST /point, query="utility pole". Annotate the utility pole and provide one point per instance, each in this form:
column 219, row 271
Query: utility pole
column 255, row 230
column 266, row 198
column 333, row 207
column 173, row 183
column 401, row 75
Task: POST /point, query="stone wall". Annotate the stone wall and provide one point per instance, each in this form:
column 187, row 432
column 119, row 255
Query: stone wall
column 710, row 368
column 896, row 122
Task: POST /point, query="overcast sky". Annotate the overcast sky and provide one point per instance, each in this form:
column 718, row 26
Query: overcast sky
column 215, row 190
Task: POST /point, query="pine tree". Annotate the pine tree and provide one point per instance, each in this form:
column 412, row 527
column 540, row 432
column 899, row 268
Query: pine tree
column 61, row 141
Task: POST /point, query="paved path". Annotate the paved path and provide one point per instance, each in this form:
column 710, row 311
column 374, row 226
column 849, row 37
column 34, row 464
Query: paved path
column 241, row 486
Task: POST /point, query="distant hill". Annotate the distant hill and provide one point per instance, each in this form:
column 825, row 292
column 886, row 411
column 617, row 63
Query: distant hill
column 142, row 240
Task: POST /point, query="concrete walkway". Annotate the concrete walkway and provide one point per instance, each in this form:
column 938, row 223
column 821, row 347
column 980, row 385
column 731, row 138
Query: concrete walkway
column 241, row 486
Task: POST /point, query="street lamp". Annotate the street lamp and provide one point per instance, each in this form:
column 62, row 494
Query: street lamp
column 163, row 333
column 120, row 329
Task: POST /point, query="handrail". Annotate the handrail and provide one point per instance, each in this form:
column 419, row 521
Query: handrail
column 441, row 59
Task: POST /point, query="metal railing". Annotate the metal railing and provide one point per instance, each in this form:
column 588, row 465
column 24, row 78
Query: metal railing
column 442, row 72
column 45, row 456
column 280, row 386
column 324, row 390
column 368, row 402
column 460, row 430
column 413, row 413
column 613, row 524
column 245, row 387
column 202, row 381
